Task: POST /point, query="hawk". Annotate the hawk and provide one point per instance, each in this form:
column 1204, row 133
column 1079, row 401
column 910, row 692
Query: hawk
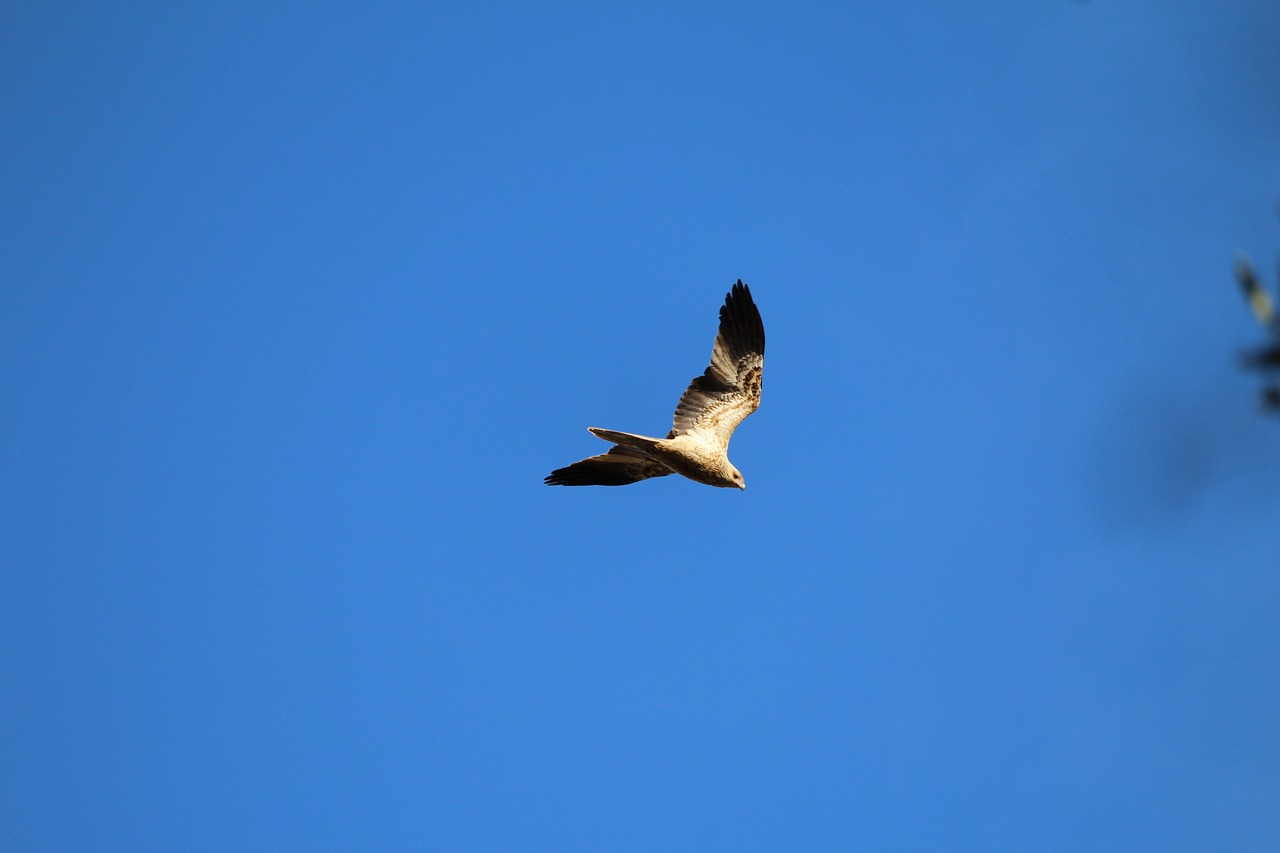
column 706, row 416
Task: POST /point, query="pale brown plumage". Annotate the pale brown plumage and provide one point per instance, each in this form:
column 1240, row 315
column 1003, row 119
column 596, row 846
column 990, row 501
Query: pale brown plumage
column 708, row 412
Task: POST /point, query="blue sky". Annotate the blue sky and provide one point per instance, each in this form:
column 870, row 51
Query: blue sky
column 302, row 301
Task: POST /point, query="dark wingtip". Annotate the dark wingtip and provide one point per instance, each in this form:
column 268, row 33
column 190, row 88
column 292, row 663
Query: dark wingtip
column 562, row 477
column 591, row 472
column 740, row 318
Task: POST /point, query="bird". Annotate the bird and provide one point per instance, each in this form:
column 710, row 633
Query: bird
column 708, row 412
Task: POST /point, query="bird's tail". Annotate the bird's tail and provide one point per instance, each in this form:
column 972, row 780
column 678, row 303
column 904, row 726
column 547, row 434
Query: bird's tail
column 626, row 439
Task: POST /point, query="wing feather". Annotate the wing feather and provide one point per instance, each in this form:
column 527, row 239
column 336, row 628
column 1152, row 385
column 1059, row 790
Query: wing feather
column 729, row 390
column 620, row 466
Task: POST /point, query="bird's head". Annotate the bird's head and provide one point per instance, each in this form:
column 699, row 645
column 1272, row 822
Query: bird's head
column 737, row 479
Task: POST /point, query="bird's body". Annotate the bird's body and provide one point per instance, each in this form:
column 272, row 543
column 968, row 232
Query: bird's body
column 708, row 412
column 689, row 455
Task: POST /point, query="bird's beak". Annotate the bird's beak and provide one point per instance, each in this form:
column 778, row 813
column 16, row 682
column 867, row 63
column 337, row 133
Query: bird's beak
column 742, row 487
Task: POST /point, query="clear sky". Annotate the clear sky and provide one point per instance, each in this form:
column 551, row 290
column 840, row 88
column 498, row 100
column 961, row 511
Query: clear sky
column 301, row 301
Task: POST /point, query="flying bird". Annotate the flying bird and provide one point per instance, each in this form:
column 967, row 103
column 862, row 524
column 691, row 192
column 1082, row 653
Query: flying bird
column 706, row 416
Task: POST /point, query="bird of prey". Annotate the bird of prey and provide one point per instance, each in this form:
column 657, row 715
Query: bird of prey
column 706, row 416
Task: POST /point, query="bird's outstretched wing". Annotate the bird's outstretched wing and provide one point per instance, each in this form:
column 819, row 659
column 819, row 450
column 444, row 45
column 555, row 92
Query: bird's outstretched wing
column 620, row 466
column 718, row 400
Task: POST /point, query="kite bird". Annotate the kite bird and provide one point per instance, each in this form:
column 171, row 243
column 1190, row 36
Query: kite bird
column 706, row 416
